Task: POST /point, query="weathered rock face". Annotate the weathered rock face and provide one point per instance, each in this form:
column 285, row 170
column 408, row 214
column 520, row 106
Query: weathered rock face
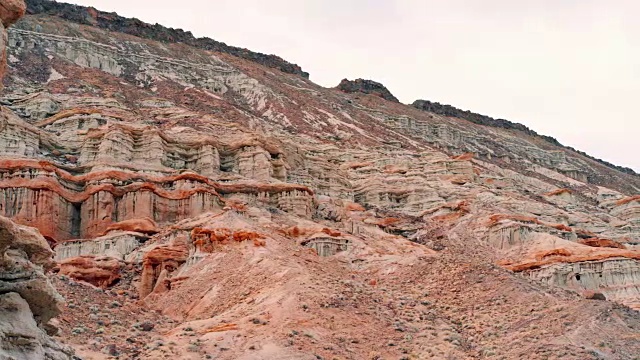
column 11, row 11
column 99, row 190
column 27, row 299
column 366, row 87
column 99, row 271
column 26, row 255
column 326, row 245
column 159, row 264
column 616, row 279
column 20, row 336
column 117, row 245
column 213, row 190
column 448, row 110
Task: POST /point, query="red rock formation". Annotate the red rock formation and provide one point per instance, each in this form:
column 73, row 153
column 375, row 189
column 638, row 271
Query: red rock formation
column 558, row 192
column 597, row 242
column 566, row 256
column 159, row 263
column 496, row 218
column 99, row 271
column 219, row 157
column 382, row 222
column 123, row 176
column 628, row 200
column 11, row 11
column 551, row 253
column 144, row 225
column 107, row 192
column 208, row 240
column 351, row 206
column 464, row 157
column 331, row 232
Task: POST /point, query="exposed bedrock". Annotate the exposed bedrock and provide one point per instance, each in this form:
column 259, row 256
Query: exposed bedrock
column 99, row 271
column 450, row 111
column 27, row 298
column 366, row 87
column 326, row 245
column 21, row 338
column 10, row 12
column 617, row 279
column 628, row 209
column 111, row 173
column 117, row 245
column 86, row 207
column 160, row 263
column 171, row 254
column 588, row 265
column 224, row 192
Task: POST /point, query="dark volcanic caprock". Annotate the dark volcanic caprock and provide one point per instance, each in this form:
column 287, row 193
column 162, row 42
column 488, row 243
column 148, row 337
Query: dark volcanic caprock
column 366, row 87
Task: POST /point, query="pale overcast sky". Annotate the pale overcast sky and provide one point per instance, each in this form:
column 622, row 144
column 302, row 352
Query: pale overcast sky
column 565, row 68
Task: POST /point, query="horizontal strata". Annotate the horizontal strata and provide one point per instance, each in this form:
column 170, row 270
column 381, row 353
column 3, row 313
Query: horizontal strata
column 150, row 182
column 117, row 191
column 559, row 257
column 64, row 206
column 121, row 115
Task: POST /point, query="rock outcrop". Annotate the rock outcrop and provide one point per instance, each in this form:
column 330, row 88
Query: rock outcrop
column 98, row 271
column 366, row 87
column 27, row 299
column 118, row 245
column 10, row 12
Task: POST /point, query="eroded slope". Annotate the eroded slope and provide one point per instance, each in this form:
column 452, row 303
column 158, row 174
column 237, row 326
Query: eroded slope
column 276, row 218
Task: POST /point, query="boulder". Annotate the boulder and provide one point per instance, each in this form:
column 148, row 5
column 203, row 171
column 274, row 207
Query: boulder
column 26, row 256
column 20, row 336
column 28, row 299
column 11, row 11
column 98, row 271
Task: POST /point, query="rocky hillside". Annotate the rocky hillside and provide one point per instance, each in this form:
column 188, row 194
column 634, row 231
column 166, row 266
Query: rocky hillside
column 113, row 22
column 448, row 110
column 205, row 204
